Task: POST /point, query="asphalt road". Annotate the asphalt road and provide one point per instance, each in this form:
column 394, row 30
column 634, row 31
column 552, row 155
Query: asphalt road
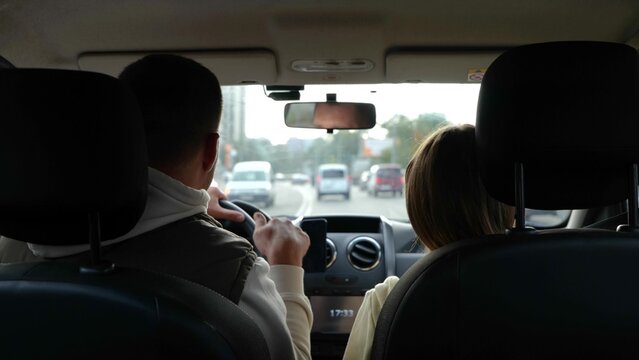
column 296, row 200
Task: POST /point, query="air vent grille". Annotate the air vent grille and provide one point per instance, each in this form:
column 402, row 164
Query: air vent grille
column 364, row 253
column 331, row 252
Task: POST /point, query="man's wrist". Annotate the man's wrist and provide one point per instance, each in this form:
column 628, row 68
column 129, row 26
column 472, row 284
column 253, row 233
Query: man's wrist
column 288, row 278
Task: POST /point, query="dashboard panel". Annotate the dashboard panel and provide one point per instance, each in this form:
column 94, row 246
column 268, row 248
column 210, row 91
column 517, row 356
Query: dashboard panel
column 361, row 251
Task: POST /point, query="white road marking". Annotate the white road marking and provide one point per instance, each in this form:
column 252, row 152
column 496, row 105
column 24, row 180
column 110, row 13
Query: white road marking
column 307, row 202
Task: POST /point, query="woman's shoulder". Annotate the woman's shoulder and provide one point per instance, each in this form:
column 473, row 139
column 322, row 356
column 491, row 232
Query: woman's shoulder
column 387, row 285
column 379, row 293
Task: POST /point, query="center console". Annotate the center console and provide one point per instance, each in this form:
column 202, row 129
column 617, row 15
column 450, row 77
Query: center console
column 334, row 314
column 355, row 263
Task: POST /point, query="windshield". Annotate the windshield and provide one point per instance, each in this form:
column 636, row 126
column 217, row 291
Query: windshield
column 253, row 129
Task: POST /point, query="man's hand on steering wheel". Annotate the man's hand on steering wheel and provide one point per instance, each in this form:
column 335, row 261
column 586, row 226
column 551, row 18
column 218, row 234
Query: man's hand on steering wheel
column 218, row 212
column 280, row 241
column 235, row 217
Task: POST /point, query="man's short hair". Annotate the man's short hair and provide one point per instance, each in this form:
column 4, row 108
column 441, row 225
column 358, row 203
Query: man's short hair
column 181, row 102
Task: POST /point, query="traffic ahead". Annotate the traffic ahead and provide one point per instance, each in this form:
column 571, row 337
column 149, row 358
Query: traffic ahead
column 301, row 199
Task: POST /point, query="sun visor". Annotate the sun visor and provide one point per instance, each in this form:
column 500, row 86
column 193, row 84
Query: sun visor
column 230, row 67
column 438, row 66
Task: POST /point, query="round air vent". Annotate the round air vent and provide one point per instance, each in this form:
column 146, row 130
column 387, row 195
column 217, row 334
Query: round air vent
column 364, row 253
column 331, row 252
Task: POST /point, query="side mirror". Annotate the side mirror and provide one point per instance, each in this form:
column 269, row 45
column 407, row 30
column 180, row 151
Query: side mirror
column 330, row 115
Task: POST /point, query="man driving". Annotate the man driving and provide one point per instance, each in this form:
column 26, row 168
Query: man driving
column 181, row 104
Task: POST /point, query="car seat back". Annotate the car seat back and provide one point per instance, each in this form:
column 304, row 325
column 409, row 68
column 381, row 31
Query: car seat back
column 74, row 171
column 555, row 129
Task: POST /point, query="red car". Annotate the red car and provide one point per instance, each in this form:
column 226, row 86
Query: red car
column 386, row 178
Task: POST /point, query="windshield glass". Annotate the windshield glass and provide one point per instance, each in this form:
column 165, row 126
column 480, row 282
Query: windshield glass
column 332, row 174
column 253, row 128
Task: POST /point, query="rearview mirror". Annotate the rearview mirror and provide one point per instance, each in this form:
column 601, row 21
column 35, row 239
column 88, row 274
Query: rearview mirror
column 330, row 115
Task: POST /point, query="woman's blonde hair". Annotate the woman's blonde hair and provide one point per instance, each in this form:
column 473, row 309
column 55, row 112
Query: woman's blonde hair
column 445, row 198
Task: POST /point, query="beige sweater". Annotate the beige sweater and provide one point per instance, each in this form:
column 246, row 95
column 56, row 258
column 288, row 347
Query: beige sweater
column 360, row 341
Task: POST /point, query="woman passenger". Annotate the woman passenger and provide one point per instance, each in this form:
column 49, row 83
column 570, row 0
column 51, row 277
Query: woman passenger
column 446, row 202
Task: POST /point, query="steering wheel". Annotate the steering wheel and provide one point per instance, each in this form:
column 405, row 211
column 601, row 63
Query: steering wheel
column 245, row 228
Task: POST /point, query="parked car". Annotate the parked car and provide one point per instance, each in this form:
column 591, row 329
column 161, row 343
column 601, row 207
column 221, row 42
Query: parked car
column 386, row 178
column 333, row 179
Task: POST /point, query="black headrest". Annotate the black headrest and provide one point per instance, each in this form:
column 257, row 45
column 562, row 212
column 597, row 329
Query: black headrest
column 71, row 143
column 569, row 112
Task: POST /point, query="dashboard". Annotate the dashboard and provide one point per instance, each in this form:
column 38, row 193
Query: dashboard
column 361, row 251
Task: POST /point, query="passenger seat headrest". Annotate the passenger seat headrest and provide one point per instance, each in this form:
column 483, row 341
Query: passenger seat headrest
column 71, row 143
column 569, row 112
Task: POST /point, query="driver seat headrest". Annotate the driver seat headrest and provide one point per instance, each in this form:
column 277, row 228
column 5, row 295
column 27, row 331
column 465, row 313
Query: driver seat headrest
column 71, row 143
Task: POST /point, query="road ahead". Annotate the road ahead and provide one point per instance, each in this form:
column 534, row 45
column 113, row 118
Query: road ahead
column 296, row 200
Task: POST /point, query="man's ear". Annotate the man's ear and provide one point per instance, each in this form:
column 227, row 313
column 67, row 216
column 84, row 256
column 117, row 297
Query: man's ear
column 210, row 151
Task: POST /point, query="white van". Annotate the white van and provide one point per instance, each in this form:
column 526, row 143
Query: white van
column 333, row 179
column 252, row 181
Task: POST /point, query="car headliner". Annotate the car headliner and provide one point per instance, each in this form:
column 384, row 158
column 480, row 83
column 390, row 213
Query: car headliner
column 56, row 33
